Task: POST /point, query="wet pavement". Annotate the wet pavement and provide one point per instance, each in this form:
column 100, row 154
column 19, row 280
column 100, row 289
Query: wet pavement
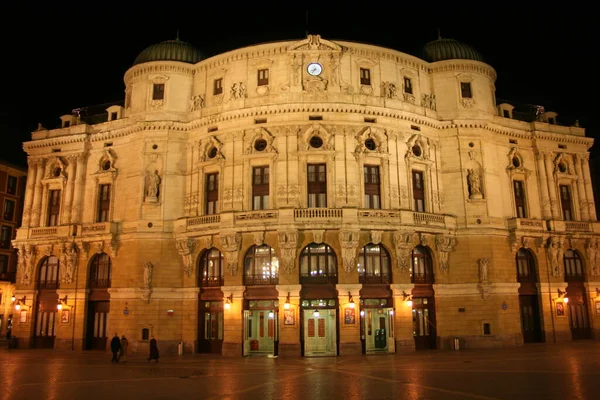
column 563, row 371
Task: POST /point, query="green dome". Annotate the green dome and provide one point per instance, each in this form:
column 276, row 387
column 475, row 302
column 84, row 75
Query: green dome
column 170, row 50
column 449, row 49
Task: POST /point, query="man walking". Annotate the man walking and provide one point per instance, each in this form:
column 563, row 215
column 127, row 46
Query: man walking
column 115, row 347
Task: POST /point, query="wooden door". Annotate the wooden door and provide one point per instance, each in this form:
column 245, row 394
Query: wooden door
column 45, row 329
column 96, row 325
column 531, row 324
column 211, row 327
column 424, row 326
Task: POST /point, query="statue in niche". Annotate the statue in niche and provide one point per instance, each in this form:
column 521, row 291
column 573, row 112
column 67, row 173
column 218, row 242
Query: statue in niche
column 152, row 186
column 474, row 184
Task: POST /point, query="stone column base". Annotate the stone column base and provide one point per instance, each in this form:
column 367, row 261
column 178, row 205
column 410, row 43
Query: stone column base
column 351, row 349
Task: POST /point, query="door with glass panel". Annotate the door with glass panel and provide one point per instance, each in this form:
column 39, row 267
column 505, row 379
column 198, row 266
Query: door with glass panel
column 45, row 326
column 261, row 328
column 211, row 327
column 424, row 326
column 378, row 330
column 320, row 337
column 97, row 321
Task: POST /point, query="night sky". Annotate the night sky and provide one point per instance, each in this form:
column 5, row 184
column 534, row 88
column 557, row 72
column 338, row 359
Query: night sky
column 57, row 58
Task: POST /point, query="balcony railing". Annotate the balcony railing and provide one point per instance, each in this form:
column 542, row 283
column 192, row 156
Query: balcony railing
column 48, row 285
column 421, row 218
column 256, row 280
column 198, row 222
column 422, row 278
column 372, row 279
column 211, row 281
column 578, row 226
column 526, row 223
column 318, row 213
column 318, row 279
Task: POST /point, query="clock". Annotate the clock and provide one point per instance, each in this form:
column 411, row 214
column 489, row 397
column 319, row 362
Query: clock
column 314, row 69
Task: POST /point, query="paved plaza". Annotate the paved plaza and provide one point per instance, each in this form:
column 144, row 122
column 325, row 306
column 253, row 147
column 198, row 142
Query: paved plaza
column 564, row 371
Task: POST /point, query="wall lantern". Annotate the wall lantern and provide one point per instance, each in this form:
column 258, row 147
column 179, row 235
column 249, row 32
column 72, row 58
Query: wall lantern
column 351, row 301
column 228, row 301
column 407, row 298
column 563, row 295
column 62, row 301
column 19, row 302
column 286, row 305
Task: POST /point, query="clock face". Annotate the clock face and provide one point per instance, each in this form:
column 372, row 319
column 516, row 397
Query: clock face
column 314, row 69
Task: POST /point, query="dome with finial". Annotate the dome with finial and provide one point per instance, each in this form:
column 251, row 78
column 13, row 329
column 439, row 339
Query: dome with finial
column 449, row 49
column 170, row 50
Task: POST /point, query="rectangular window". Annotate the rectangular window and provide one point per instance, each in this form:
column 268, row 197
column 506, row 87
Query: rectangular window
column 565, row 201
column 465, row 90
column 5, row 237
column 263, row 77
column 506, row 113
column 372, row 187
column 53, row 207
column 103, row 203
column 418, row 186
column 519, row 190
column 158, row 91
column 260, row 188
column 408, row 86
column 11, row 184
column 365, row 76
column 218, row 86
column 3, row 266
column 317, row 185
column 212, row 193
column 9, row 210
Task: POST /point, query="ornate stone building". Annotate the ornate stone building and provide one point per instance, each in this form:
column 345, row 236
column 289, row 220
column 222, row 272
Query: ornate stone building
column 308, row 198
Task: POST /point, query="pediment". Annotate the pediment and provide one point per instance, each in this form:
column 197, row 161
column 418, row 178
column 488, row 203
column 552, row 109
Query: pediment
column 314, row 42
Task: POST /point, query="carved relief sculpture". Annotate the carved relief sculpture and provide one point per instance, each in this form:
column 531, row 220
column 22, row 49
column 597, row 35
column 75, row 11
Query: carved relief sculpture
column 197, row 102
column 404, row 243
column 230, row 243
column 555, row 255
column 26, row 254
column 389, row 90
column 288, row 241
column 474, row 185
column 152, row 186
column 69, row 262
column 592, row 255
column 238, row 91
column 185, row 247
column 376, row 237
column 444, row 245
column 483, row 270
column 318, row 235
column 428, row 101
column 349, row 244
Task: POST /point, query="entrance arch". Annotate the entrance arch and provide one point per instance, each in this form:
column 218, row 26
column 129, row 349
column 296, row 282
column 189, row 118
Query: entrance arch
column 47, row 300
column 211, row 265
column 579, row 320
column 529, row 298
column 423, row 299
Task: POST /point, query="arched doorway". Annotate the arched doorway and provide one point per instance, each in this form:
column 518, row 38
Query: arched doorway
column 98, row 305
column 319, row 301
column 529, row 299
column 423, row 299
column 261, row 303
column 579, row 321
column 47, row 300
column 210, row 307
column 376, row 303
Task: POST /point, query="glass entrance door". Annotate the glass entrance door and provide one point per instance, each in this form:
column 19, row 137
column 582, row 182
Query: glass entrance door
column 96, row 329
column 423, row 314
column 320, row 337
column 530, row 318
column 260, row 332
column 378, row 330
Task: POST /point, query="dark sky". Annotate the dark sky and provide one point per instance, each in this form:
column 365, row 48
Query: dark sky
column 56, row 58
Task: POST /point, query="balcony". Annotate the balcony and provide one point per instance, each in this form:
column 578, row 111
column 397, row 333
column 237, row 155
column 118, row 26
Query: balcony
column 257, row 216
column 374, row 279
column 525, row 224
column 8, row 276
column 318, row 214
column 203, row 222
column 319, row 279
column 258, row 280
column 98, row 228
column 99, row 283
column 423, row 278
column 50, row 285
column 211, row 281
column 51, row 232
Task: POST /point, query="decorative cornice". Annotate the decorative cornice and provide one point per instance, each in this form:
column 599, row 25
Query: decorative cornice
column 158, row 67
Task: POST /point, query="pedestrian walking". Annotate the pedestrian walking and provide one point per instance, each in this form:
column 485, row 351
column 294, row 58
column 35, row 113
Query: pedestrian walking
column 153, row 350
column 124, row 346
column 115, row 347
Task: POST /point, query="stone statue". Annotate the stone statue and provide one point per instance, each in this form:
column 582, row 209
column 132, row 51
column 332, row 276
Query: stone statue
column 334, row 69
column 474, row 184
column 554, row 255
column 147, row 274
column 238, row 91
column 483, row 270
column 197, row 102
column 296, row 65
column 152, row 185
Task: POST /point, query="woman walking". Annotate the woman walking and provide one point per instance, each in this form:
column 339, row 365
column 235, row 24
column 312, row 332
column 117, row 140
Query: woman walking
column 153, row 350
column 124, row 345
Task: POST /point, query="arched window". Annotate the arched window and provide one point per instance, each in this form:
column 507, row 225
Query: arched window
column 373, row 264
column 49, row 273
column 210, row 268
column 525, row 266
column 421, row 270
column 318, row 264
column 100, row 271
column 261, row 266
column 573, row 266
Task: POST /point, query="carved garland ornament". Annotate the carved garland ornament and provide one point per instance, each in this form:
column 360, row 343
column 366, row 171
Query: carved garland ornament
column 231, row 245
column 185, row 247
column 444, row 245
column 288, row 241
column 349, row 243
column 404, row 242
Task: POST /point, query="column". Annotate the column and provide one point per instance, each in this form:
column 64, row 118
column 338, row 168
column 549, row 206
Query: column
column 66, row 217
column 583, row 200
column 551, row 186
column 585, row 162
column 30, row 187
column 542, row 180
column 76, row 206
column 37, row 194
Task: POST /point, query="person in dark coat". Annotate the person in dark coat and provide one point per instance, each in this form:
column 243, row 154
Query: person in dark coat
column 115, row 347
column 153, row 350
